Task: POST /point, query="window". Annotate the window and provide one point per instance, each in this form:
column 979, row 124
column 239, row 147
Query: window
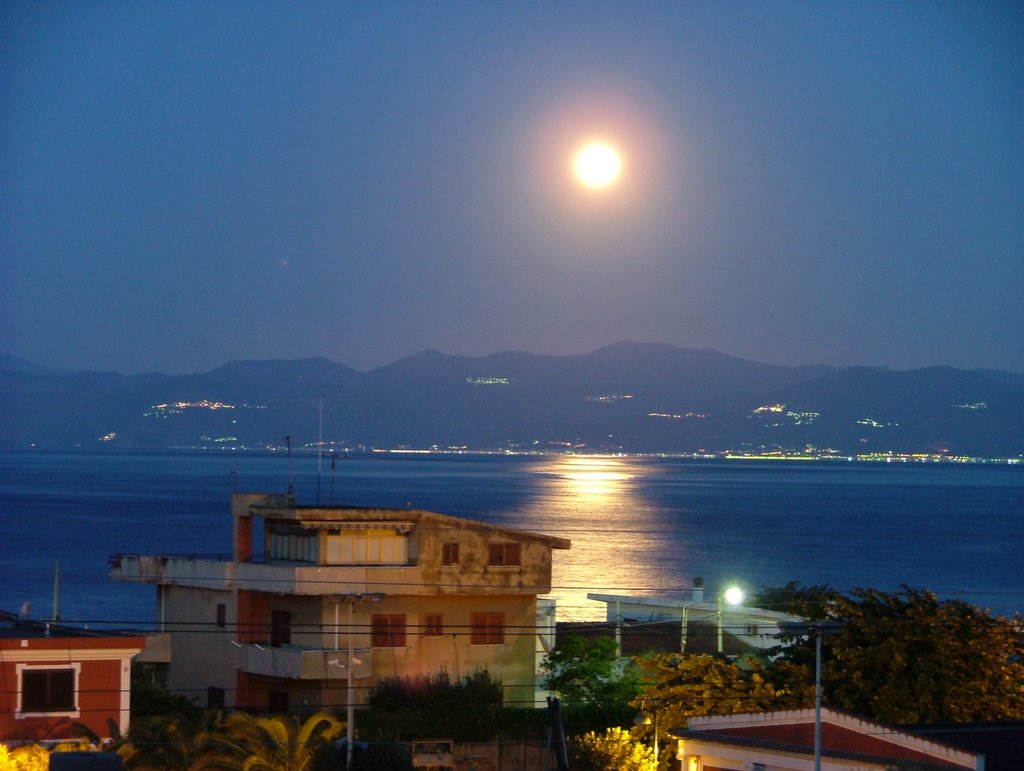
column 280, row 628
column 277, row 701
column 222, row 615
column 291, row 543
column 450, row 553
column 751, row 629
column 48, row 689
column 486, row 628
column 433, row 625
column 387, row 630
column 503, row 554
column 371, row 546
column 214, row 697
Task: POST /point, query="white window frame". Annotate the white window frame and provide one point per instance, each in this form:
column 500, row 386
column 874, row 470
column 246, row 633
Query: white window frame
column 20, row 671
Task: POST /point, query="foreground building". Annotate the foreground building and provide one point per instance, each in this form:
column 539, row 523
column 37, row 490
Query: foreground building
column 313, row 596
column 52, row 677
column 784, row 741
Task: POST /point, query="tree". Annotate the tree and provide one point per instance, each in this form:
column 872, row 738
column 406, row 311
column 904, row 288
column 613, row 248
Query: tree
column 186, row 746
column 681, row 686
column 910, row 658
column 585, row 673
column 613, row 750
column 907, row 657
column 279, row 743
column 579, row 669
column 425, row 707
column 29, row 757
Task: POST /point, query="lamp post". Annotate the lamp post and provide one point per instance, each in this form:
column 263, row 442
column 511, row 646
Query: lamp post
column 651, row 719
column 734, row 596
column 819, row 629
column 350, row 600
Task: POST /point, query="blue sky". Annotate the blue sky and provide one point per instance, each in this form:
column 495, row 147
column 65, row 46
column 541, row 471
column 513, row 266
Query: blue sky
column 185, row 183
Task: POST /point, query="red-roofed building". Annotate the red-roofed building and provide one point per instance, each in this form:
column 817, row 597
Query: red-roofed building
column 52, row 677
column 784, row 741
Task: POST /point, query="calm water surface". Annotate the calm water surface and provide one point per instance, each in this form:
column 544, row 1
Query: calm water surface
column 636, row 525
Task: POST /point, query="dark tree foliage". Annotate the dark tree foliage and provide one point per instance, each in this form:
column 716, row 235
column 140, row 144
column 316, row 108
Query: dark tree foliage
column 431, row 707
column 681, row 686
column 908, row 657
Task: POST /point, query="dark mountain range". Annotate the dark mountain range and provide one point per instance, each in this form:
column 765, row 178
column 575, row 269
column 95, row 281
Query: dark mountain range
column 626, row 397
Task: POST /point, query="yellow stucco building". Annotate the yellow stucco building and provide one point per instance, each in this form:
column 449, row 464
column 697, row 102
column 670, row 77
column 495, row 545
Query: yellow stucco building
column 314, row 595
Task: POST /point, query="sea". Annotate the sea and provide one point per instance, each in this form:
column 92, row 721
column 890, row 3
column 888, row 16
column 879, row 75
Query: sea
column 638, row 525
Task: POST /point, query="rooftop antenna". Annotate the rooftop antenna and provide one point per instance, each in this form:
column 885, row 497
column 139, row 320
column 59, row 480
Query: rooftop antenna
column 291, row 483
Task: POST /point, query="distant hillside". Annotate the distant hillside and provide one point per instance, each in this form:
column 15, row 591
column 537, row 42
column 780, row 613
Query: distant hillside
column 626, row 397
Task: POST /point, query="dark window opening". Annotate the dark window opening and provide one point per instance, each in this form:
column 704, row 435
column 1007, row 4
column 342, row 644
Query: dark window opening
column 214, row 698
column 280, row 628
column 487, row 628
column 48, row 690
column 433, row 625
column 503, row 554
column 387, row 630
column 450, row 554
column 278, row 701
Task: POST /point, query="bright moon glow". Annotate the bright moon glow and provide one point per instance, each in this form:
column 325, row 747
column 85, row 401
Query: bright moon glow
column 597, row 165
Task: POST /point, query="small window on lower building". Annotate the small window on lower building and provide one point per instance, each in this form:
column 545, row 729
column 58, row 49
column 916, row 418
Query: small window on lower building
column 387, row 630
column 433, row 625
column 486, row 628
column 222, row 615
column 48, row 690
column 450, row 553
column 503, row 554
column 278, row 701
column 214, row 698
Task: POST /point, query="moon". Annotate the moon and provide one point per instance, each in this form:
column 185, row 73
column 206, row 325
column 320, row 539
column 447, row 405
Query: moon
column 597, row 165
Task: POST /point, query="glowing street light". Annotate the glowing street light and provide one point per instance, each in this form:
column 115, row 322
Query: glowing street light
column 733, row 595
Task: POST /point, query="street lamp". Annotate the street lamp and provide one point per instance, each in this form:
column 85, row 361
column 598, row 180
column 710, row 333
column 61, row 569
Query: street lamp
column 819, row 629
column 651, row 719
column 350, row 600
column 733, row 596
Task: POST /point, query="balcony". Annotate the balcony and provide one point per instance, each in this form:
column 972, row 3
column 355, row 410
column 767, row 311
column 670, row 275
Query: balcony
column 220, row 573
column 210, row 571
column 295, row 663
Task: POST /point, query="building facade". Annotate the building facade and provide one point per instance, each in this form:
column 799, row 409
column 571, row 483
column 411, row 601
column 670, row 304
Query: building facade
column 52, row 677
column 313, row 596
column 784, row 741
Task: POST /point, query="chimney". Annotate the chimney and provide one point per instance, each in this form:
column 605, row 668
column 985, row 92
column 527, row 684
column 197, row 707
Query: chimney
column 698, row 589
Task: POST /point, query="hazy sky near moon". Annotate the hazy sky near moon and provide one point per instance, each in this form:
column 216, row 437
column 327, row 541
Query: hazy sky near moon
column 184, row 184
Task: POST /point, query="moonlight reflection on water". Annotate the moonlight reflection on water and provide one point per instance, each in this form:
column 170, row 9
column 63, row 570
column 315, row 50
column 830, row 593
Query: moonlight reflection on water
column 619, row 541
